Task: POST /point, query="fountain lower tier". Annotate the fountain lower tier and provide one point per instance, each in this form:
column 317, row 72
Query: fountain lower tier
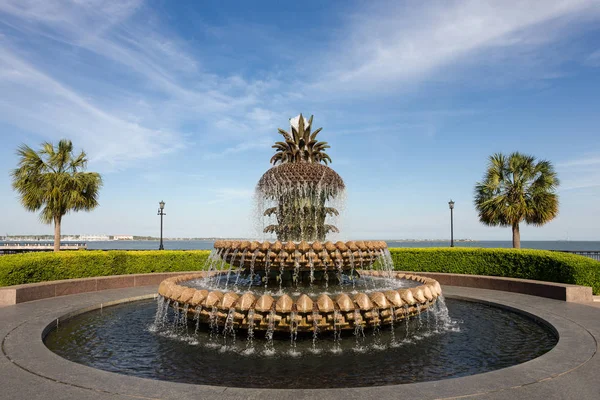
column 300, row 256
column 303, row 314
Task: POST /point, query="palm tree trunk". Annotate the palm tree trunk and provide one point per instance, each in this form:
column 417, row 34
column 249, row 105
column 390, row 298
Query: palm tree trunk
column 57, row 233
column 516, row 236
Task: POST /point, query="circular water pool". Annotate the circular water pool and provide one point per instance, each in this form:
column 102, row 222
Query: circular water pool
column 466, row 338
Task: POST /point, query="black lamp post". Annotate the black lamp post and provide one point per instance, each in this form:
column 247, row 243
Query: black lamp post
column 161, row 208
column 451, row 205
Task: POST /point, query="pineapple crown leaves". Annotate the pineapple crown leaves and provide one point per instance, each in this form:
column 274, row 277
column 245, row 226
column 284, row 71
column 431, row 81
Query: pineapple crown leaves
column 301, row 145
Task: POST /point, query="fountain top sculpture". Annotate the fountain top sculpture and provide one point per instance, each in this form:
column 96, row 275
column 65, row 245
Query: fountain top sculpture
column 301, row 145
column 300, row 185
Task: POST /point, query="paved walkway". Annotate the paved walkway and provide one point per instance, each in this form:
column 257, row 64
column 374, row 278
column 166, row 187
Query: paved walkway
column 595, row 303
column 28, row 370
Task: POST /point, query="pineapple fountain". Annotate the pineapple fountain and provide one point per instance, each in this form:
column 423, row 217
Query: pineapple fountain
column 299, row 312
column 300, row 282
column 247, row 321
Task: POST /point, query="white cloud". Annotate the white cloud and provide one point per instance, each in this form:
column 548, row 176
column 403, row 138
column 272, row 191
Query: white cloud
column 586, row 161
column 579, row 173
column 230, row 194
column 116, row 124
column 145, row 82
column 239, row 148
column 38, row 103
column 403, row 44
column 580, row 184
column 593, row 59
column 64, row 18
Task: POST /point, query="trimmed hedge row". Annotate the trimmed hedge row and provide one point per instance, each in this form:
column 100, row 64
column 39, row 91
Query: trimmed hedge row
column 16, row 269
column 539, row 265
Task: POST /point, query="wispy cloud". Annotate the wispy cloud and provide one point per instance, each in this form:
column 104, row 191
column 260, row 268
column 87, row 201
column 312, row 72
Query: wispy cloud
column 156, row 177
column 41, row 104
column 110, row 76
column 239, row 148
column 581, row 162
column 117, row 124
column 128, row 83
column 580, row 184
column 230, row 194
column 580, row 173
column 395, row 45
column 593, row 59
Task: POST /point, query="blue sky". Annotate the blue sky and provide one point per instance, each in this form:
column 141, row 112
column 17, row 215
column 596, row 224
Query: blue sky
column 181, row 101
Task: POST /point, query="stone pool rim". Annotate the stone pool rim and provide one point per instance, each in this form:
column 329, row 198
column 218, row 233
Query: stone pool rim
column 24, row 326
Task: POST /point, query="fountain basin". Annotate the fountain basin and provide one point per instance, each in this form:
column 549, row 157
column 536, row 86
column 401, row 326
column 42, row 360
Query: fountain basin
column 482, row 338
column 303, row 313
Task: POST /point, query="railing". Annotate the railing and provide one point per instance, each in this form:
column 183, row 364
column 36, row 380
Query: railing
column 594, row 254
column 24, row 247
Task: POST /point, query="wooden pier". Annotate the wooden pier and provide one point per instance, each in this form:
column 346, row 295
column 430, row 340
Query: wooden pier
column 27, row 247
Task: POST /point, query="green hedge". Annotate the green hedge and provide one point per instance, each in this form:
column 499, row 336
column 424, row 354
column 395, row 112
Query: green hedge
column 528, row 264
column 540, row 265
column 17, row 269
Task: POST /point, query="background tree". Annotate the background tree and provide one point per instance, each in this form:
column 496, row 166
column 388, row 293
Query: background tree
column 54, row 180
column 515, row 189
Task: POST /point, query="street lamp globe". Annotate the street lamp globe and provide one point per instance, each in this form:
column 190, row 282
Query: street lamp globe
column 162, row 205
column 451, row 204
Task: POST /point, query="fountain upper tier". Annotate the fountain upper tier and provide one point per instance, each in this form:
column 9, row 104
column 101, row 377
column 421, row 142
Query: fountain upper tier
column 300, row 256
column 297, row 193
column 301, row 176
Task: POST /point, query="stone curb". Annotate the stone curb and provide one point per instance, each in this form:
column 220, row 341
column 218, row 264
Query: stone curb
column 551, row 290
column 11, row 295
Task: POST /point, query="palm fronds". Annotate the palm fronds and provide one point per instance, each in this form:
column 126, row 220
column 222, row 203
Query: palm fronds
column 53, row 180
column 300, row 145
column 515, row 189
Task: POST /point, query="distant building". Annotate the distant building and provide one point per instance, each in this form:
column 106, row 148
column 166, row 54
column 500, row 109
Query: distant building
column 94, row 238
column 123, row 237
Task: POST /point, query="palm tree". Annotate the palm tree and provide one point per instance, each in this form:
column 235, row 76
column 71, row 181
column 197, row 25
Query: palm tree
column 53, row 180
column 515, row 189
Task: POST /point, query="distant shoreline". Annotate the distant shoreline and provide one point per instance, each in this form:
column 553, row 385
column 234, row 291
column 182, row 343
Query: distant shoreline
column 67, row 238
column 208, row 244
column 74, row 238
